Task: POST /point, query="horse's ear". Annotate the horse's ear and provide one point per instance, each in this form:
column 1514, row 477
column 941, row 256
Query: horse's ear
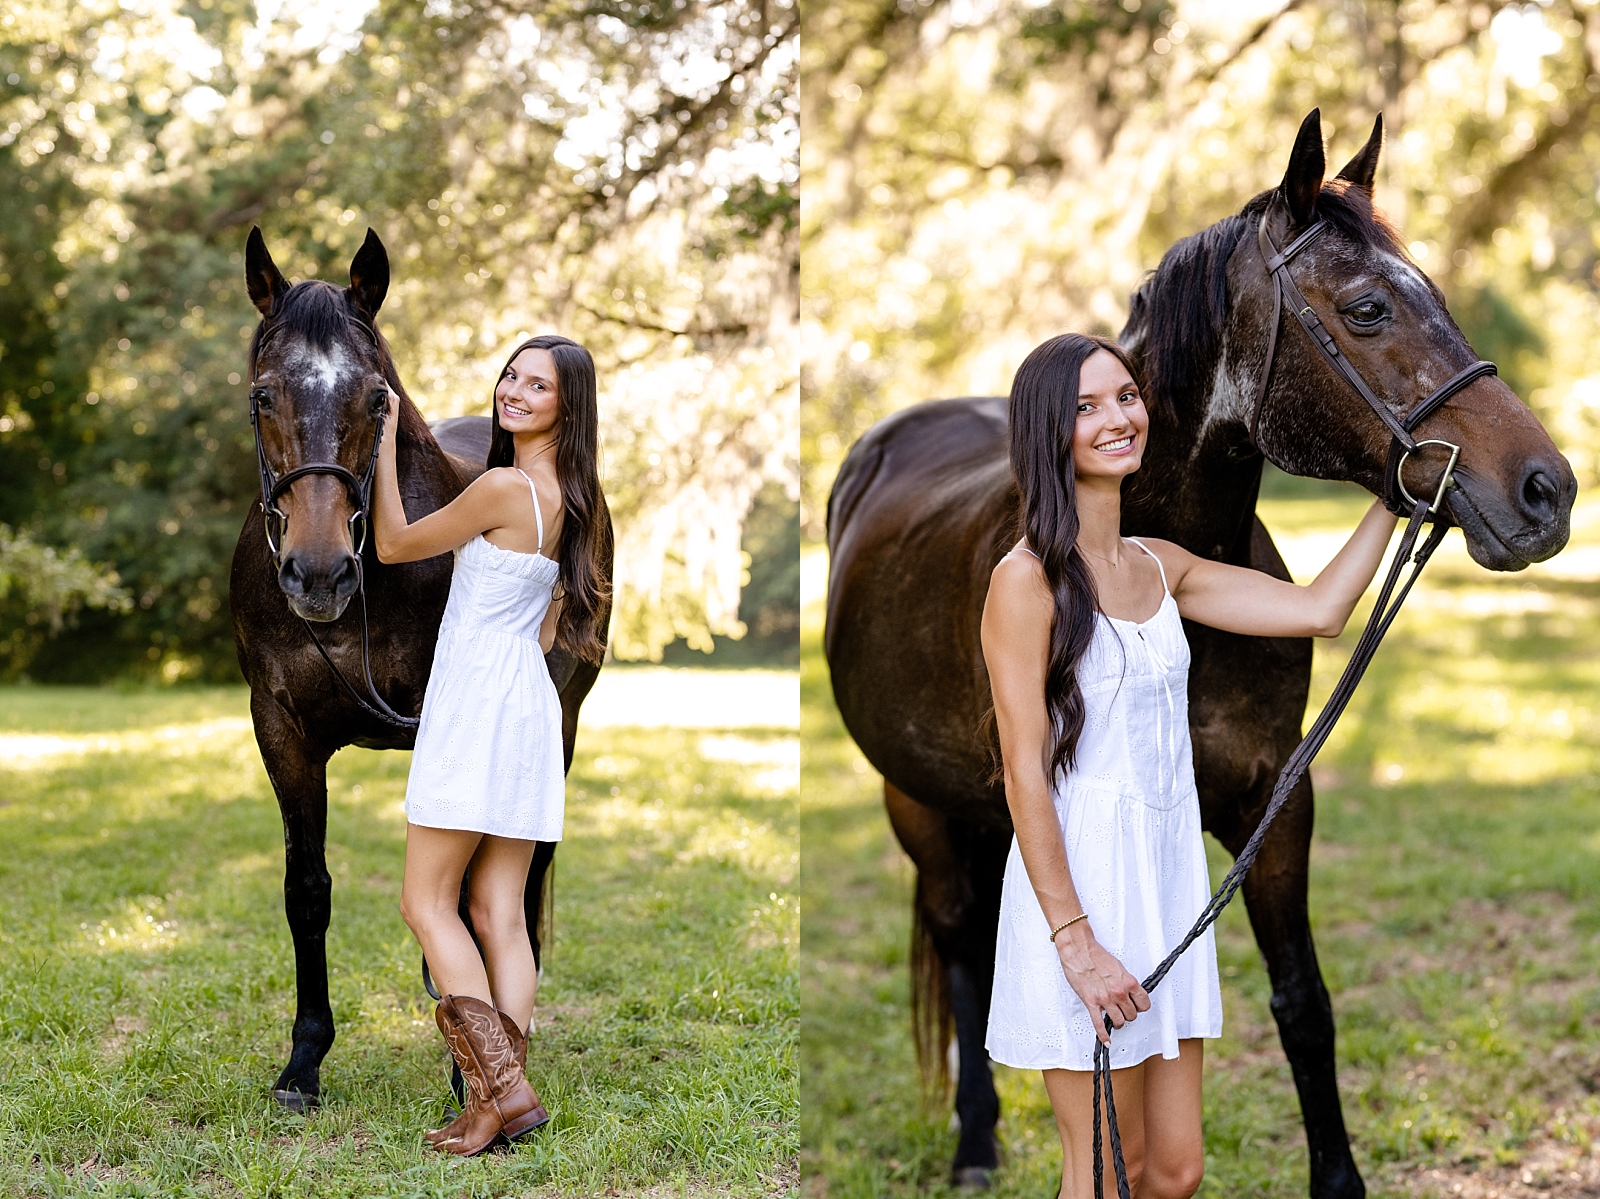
column 1362, row 170
column 1302, row 182
column 262, row 278
column 369, row 276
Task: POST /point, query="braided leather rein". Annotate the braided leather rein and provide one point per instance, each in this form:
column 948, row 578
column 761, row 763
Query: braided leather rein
column 1392, row 595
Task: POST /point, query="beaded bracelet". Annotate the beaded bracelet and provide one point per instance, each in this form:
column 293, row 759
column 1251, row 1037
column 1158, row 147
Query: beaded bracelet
column 1068, row 924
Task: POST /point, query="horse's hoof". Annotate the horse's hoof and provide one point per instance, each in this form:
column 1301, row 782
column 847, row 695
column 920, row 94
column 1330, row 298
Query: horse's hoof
column 296, row 1101
column 972, row 1178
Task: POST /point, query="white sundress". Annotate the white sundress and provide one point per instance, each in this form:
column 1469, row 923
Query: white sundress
column 488, row 756
column 1130, row 818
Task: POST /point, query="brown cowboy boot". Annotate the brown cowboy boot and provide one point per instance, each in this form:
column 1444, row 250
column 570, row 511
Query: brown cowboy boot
column 519, row 1046
column 499, row 1099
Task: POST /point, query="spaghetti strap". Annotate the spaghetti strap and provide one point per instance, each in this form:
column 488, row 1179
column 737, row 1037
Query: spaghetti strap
column 1159, row 567
column 538, row 517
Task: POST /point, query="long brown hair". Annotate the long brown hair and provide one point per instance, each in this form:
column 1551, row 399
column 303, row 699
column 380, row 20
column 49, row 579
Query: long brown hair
column 585, row 529
column 1044, row 417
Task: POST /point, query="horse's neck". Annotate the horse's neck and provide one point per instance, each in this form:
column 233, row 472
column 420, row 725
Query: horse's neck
column 1201, row 475
column 424, row 470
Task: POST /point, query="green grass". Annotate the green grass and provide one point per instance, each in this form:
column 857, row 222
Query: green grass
column 1455, row 897
column 147, row 971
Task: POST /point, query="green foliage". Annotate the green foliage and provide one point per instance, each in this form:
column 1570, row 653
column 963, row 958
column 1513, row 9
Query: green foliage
column 1072, row 30
column 40, row 590
column 150, row 977
column 616, row 172
column 1503, row 333
column 769, row 601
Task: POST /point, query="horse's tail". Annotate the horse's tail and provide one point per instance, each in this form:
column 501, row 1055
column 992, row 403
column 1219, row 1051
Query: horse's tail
column 932, row 1017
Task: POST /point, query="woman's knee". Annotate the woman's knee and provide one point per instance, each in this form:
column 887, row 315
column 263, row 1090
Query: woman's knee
column 1174, row 1179
column 423, row 915
column 498, row 920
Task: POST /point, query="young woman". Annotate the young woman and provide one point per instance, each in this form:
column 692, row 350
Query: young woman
column 1089, row 666
column 486, row 777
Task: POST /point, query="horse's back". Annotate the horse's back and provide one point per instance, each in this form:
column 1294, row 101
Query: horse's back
column 922, row 509
column 466, row 440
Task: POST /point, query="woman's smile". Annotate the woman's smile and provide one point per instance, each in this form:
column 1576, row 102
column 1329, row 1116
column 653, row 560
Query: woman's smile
column 1115, row 447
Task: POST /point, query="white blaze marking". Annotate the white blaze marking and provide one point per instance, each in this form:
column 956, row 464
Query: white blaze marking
column 1228, row 403
column 320, row 368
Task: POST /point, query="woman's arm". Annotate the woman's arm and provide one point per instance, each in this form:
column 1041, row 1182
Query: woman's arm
column 1016, row 648
column 547, row 628
column 481, row 507
column 1241, row 600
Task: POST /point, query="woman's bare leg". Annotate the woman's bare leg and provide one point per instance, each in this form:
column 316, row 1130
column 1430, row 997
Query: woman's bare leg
column 1174, row 1153
column 1158, row 1115
column 1071, row 1098
column 499, row 877
column 436, row 859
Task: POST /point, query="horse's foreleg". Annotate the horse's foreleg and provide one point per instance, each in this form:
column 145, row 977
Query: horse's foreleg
column 533, row 896
column 957, row 912
column 1275, row 893
column 299, row 776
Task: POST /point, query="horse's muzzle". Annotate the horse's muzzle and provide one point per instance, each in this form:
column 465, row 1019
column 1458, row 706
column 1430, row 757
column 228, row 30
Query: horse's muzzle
column 318, row 591
column 1508, row 530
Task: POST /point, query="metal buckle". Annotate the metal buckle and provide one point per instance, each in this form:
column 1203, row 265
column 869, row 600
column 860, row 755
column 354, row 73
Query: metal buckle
column 1445, row 480
column 268, row 515
column 361, row 542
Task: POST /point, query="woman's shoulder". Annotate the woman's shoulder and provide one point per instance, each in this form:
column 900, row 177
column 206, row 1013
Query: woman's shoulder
column 1019, row 566
column 1174, row 559
column 1018, row 588
column 499, row 481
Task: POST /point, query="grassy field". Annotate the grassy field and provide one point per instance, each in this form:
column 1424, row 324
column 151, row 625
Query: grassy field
column 147, row 971
column 1455, row 897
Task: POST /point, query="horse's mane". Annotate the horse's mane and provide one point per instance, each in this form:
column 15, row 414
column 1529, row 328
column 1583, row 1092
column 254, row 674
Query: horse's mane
column 1177, row 317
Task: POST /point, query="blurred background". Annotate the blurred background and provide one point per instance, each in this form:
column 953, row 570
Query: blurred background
column 980, row 175
column 623, row 173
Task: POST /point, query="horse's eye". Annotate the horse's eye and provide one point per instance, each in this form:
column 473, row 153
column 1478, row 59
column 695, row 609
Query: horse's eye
column 378, row 403
column 1367, row 312
column 261, row 398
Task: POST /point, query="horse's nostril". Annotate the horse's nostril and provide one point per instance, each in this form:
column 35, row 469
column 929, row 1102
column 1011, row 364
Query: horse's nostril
column 347, row 577
column 1539, row 493
column 291, row 577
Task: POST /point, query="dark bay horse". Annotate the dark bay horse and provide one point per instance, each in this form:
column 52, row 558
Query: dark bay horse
column 318, row 366
column 924, row 507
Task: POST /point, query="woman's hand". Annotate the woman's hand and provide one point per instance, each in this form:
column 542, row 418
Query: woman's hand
column 1102, row 982
column 391, row 420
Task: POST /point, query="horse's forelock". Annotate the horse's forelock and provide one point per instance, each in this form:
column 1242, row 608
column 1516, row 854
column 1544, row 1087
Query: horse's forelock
column 317, row 314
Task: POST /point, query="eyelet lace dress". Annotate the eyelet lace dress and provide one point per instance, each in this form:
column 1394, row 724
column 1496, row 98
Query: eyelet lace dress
column 1130, row 818
column 488, row 756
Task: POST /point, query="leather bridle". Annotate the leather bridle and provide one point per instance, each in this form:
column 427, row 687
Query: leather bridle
column 276, row 521
column 1413, row 550
column 1402, row 444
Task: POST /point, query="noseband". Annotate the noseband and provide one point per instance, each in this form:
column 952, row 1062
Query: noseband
column 276, row 521
column 1402, row 445
column 1390, row 596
